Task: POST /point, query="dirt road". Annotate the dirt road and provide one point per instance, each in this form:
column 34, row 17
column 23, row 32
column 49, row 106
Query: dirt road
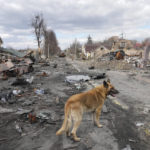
column 129, row 116
column 121, row 116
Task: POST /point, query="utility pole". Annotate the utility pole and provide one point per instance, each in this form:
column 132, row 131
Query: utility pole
column 121, row 35
column 48, row 50
column 76, row 47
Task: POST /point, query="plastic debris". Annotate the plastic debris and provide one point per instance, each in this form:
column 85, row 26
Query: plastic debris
column 16, row 92
column 139, row 124
column 128, row 147
column 3, row 100
column 5, row 96
column 78, row 86
column 39, row 91
column 46, row 114
column 43, row 116
column 131, row 140
column 18, row 128
column 30, row 80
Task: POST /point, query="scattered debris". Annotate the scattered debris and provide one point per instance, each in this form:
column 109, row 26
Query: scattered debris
column 47, row 115
column 139, row 124
column 55, row 66
column 39, row 91
column 30, row 80
column 32, row 117
column 16, row 92
column 5, row 110
column 91, row 68
column 128, row 147
column 20, row 81
column 146, row 110
column 78, row 86
column 131, row 140
column 27, row 103
column 99, row 76
column 120, row 55
column 18, row 128
column 77, row 78
column 16, row 64
column 43, row 74
column 5, row 96
column 62, row 55
column 48, row 108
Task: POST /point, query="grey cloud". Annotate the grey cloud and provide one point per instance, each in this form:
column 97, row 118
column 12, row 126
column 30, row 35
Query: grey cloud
column 78, row 16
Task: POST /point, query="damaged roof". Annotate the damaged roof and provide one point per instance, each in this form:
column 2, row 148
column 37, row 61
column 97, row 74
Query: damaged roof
column 13, row 52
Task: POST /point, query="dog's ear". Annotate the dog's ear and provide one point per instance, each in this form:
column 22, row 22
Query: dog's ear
column 108, row 80
column 105, row 84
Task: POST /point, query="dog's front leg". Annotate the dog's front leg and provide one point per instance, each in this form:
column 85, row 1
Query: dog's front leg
column 97, row 116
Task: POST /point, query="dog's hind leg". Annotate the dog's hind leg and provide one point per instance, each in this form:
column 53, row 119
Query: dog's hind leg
column 69, row 126
column 77, row 120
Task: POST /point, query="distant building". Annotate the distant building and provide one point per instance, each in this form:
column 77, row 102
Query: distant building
column 138, row 46
column 90, row 48
column 120, row 43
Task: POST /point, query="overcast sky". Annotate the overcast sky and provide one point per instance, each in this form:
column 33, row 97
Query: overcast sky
column 72, row 19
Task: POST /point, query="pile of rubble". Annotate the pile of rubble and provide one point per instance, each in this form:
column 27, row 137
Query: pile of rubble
column 13, row 63
column 114, row 65
column 121, row 60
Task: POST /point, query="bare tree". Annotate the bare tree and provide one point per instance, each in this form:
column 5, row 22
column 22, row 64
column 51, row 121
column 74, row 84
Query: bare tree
column 50, row 43
column 75, row 48
column 39, row 27
column 1, row 41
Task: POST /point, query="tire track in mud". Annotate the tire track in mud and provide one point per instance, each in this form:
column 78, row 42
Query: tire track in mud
column 122, row 124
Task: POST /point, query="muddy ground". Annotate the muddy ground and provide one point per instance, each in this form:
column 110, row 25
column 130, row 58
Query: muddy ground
column 125, row 117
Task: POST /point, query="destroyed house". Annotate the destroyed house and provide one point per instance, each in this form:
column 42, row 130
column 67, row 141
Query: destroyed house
column 5, row 51
column 14, row 63
column 122, row 44
column 89, row 50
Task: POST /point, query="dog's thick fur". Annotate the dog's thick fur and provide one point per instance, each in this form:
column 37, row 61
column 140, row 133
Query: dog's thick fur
column 76, row 105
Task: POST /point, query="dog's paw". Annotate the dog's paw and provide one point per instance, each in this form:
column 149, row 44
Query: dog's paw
column 68, row 133
column 77, row 139
column 99, row 126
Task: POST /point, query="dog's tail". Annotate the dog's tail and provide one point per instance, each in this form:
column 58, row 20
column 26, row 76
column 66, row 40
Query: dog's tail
column 65, row 123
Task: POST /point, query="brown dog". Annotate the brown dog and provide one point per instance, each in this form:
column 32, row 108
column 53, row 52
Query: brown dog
column 76, row 105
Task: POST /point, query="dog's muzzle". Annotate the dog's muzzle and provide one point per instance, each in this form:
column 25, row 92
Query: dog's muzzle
column 113, row 92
